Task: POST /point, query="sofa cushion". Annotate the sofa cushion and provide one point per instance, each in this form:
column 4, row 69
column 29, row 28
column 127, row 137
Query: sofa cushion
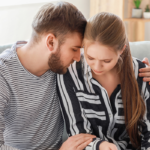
column 140, row 49
column 3, row 47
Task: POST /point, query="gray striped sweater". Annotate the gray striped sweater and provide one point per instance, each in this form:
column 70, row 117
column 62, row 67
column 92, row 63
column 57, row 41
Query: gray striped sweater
column 30, row 118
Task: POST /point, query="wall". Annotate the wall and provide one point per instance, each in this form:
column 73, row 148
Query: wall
column 111, row 6
column 133, row 27
column 15, row 21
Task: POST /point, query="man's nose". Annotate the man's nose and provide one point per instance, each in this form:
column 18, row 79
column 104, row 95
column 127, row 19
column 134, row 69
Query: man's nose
column 77, row 56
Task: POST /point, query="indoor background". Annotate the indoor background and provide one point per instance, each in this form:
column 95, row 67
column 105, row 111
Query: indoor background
column 16, row 17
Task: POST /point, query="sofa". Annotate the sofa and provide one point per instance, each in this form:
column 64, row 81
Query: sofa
column 138, row 50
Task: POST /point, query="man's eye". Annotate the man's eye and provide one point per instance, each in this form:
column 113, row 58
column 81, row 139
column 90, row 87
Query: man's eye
column 74, row 50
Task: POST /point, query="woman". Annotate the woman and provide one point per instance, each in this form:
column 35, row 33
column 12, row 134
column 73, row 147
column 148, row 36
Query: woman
column 102, row 94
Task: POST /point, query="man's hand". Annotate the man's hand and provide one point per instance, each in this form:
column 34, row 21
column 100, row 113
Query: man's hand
column 77, row 142
column 145, row 72
column 107, row 146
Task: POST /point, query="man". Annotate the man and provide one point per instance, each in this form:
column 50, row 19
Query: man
column 30, row 117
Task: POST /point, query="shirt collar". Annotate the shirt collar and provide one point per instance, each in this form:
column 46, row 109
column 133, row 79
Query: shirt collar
column 87, row 69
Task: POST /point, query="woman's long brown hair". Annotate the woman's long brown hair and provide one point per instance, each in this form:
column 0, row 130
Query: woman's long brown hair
column 108, row 29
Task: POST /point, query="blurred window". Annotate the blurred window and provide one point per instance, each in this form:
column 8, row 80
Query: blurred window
column 21, row 2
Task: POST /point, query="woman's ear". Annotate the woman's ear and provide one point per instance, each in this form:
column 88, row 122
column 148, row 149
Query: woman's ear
column 123, row 49
column 50, row 38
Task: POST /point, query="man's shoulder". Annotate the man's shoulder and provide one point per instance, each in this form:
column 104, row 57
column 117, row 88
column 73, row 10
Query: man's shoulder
column 6, row 56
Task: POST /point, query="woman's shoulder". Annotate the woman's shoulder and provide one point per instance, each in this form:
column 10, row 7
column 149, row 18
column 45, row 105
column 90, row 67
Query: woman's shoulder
column 137, row 63
column 74, row 77
column 75, row 69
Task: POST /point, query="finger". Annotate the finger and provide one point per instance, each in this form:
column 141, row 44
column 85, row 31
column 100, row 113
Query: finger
column 146, row 74
column 149, row 83
column 83, row 139
column 146, row 79
column 85, row 134
column 147, row 69
column 80, row 141
column 80, row 136
column 113, row 147
column 83, row 145
column 146, row 61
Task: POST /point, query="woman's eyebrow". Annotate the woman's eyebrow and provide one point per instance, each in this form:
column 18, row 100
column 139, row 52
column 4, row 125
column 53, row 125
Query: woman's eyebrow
column 89, row 56
column 101, row 59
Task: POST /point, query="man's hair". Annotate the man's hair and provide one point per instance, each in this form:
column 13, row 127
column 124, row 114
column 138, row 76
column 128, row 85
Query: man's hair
column 59, row 19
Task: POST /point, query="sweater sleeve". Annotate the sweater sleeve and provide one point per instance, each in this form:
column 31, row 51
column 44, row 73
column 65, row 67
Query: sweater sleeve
column 145, row 141
column 75, row 118
column 4, row 98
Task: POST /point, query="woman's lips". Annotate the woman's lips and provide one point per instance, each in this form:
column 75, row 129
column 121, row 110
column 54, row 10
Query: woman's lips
column 98, row 71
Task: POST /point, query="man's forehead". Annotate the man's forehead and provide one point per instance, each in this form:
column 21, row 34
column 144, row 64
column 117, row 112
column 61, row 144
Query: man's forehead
column 73, row 35
column 74, row 40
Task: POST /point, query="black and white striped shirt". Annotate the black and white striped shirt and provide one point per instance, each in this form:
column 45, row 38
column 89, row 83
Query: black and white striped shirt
column 87, row 108
column 30, row 117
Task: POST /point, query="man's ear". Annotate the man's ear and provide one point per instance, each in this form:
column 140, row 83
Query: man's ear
column 50, row 39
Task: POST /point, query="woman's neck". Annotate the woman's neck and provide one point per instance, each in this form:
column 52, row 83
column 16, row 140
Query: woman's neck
column 109, row 81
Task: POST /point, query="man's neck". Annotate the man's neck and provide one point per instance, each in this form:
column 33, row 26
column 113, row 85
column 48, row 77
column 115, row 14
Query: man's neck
column 32, row 58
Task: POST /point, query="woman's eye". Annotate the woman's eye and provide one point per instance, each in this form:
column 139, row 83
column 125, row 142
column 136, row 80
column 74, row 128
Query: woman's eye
column 90, row 58
column 107, row 61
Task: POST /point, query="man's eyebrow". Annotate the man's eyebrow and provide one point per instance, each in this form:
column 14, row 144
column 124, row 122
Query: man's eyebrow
column 77, row 46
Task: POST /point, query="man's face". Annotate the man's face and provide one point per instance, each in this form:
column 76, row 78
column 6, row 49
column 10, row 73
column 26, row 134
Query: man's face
column 66, row 53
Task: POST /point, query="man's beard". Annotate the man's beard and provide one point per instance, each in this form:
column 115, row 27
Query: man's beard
column 55, row 63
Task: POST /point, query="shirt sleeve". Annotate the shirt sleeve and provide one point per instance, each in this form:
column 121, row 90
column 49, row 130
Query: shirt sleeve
column 76, row 121
column 144, row 88
column 4, row 98
column 145, row 141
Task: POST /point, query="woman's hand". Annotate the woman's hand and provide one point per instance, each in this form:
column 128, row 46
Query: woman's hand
column 77, row 142
column 107, row 146
column 145, row 72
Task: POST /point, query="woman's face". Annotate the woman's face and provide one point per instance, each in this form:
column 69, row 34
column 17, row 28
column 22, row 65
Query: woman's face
column 102, row 59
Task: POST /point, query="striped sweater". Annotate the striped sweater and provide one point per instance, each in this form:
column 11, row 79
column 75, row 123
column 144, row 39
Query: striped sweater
column 87, row 107
column 30, row 117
